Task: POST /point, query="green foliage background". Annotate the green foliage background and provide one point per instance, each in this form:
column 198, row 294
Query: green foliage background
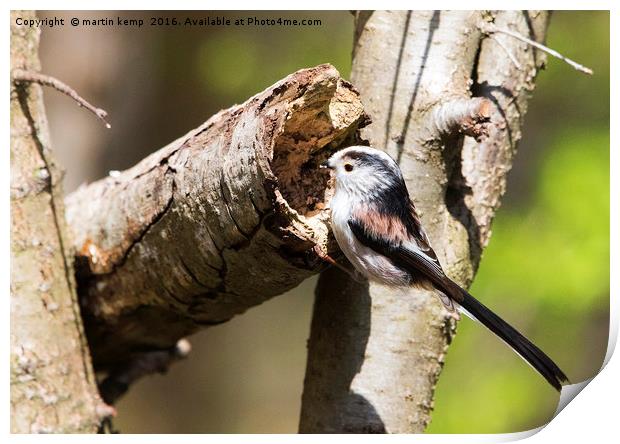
column 547, row 265
column 546, row 268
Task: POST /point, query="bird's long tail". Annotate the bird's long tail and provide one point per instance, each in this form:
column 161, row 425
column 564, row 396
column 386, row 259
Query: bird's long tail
column 519, row 343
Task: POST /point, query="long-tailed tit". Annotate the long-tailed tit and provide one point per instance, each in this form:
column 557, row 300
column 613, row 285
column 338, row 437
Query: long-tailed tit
column 378, row 230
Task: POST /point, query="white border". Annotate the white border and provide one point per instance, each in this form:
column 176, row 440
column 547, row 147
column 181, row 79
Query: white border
column 592, row 416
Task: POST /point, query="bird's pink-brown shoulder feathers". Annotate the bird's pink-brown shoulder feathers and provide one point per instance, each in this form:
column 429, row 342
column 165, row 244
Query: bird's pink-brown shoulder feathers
column 383, row 226
column 391, row 228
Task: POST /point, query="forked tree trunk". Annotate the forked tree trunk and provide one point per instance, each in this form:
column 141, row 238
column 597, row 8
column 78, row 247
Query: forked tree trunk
column 375, row 354
column 52, row 382
column 233, row 213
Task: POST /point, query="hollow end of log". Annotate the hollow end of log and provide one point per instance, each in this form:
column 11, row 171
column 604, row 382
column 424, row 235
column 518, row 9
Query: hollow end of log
column 317, row 126
column 310, row 135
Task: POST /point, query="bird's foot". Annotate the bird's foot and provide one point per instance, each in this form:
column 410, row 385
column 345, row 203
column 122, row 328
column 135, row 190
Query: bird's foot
column 353, row 274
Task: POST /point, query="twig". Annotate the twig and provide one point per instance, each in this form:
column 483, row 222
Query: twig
column 23, row 76
column 490, row 28
column 511, row 56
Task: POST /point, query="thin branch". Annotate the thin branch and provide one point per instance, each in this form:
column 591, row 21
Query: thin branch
column 23, row 76
column 490, row 28
column 511, row 56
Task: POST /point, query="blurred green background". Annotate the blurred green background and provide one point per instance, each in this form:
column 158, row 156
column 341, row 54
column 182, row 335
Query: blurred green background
column 546, row 268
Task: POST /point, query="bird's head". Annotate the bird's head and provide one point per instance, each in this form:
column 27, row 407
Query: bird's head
column 363, row 172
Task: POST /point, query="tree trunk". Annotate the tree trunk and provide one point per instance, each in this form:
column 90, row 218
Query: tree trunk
column 218, row 221
column 52, row 383
column 375, row 354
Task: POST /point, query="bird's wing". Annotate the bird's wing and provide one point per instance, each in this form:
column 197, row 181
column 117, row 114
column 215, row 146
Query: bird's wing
column 417, row 234
column 414, row 255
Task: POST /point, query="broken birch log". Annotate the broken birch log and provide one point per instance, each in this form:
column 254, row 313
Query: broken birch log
column 216, row 222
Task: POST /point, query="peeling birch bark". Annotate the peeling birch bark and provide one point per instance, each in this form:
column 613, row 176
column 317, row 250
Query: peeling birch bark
column 216, row 222
column 373, row 368
column 53, row 387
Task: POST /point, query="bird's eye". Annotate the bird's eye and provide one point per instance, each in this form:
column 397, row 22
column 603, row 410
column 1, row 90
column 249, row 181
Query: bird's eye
column 348, row 167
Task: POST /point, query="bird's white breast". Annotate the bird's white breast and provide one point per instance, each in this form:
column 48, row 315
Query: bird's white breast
column 371, row 264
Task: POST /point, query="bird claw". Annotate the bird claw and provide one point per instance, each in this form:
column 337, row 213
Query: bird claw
column 353, row 274
column 454, row 314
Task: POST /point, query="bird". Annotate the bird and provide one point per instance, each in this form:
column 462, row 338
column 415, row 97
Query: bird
column 379, row 231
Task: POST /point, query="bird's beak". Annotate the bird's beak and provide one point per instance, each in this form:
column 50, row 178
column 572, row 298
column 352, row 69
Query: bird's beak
column 325, row 165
